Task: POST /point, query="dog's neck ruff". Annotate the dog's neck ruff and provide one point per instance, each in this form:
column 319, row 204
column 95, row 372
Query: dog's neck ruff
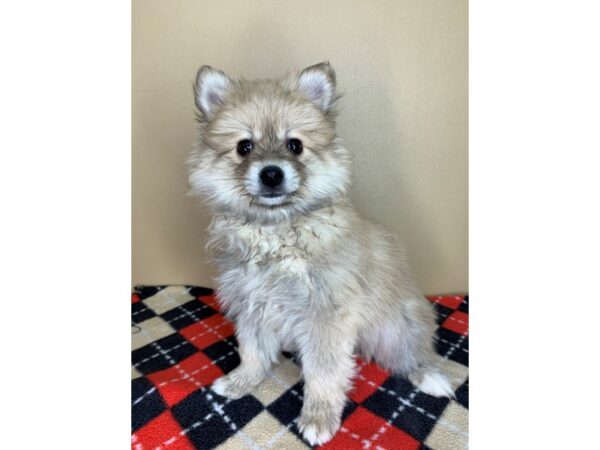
column 289, row 214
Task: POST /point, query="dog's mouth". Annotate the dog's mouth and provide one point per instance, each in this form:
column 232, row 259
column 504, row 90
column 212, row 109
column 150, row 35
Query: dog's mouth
column 272, row 200
column 273, row 195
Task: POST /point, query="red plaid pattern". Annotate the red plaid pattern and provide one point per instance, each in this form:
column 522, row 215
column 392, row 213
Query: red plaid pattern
column 182, row 343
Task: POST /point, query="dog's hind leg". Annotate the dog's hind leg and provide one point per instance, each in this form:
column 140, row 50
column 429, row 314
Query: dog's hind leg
column 404, row 345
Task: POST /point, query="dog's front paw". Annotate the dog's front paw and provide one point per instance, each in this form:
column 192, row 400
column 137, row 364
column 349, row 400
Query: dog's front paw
column 235, row 384
column 318, row 425
column 224, row 387
column 228, row 387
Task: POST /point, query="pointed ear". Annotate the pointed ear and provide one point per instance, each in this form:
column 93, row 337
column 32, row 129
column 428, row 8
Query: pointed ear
column 210, row 89
column 318, row 83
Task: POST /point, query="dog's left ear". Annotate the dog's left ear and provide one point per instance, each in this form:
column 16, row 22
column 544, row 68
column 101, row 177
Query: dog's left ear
column 318, row 83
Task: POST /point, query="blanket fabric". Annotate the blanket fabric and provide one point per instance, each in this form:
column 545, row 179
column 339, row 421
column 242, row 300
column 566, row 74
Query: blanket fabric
column 181, row 343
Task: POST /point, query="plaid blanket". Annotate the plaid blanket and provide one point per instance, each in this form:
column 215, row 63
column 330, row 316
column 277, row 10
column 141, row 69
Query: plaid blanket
column 181, row 343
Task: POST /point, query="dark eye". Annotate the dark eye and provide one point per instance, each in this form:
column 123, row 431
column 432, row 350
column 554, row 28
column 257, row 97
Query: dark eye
column 295, row 146
column 244, row 147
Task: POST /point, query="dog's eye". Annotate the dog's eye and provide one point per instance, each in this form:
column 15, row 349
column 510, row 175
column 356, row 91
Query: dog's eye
column 295, row 146
column 244, row 147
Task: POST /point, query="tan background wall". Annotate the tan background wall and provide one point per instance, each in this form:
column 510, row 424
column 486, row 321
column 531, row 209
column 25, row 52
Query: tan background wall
column 403, row 67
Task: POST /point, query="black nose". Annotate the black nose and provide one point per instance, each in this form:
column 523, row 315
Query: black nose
column 271, row 176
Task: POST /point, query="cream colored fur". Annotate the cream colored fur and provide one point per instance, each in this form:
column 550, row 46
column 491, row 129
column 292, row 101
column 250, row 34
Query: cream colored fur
column 303, row 271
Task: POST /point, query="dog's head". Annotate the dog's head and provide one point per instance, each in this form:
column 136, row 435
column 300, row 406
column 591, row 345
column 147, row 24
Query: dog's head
column 268, row 149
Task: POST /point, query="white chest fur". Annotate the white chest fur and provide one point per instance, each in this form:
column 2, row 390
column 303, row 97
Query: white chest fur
column 289, row 245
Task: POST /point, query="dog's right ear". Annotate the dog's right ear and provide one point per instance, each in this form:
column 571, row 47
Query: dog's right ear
column 318, row 84
column 210, row 89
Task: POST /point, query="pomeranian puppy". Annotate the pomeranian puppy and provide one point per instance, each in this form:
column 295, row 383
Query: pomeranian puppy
column 300, row 270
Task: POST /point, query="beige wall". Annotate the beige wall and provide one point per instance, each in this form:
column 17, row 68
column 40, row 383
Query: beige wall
column 402, row 65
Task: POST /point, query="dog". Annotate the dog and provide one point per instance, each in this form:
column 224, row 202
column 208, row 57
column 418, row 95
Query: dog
column 299, row 269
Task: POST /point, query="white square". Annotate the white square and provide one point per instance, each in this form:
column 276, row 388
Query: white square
column 279, row 381
column 451, row 430
column 149, row 331
column 168, row 298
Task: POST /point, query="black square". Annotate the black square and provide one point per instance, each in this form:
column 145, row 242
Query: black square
column 198, row 291
column 216, row 352
column 383, row 402
column 147, row 291
column 224, row 416
column 187, row 314
column 140, row 312
column 442, row 312
column 460, row 355
column 453, row 346
column 146, row 403
column 287, row 407
column 243, row 410
column 418, row 416
column 162, row 354
column 464, row 305
column 462, row 394
column 192, row 413
column 419, row 419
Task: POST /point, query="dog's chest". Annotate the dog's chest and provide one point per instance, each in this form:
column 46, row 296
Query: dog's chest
column 288, row 247
column 269, row 272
